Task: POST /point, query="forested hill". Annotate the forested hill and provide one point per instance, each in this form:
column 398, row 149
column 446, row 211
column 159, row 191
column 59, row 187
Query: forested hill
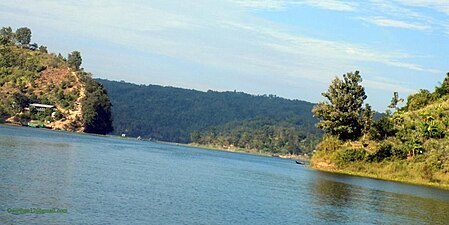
column 173, row 114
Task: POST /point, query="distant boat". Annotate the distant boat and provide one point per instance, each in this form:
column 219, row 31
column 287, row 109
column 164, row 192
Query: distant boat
column 299, row 162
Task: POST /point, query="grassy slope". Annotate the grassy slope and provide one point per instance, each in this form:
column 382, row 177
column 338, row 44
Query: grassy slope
column 41, row 78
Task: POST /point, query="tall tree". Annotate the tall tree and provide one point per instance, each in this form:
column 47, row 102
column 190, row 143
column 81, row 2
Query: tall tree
column 6, row 36
column 341, row 115
column 74, row 60
column 23, row 35
column 367, row 119
column 96, row 108
column 395, row 100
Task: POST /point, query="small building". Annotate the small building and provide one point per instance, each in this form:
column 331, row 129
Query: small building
column 41, row 107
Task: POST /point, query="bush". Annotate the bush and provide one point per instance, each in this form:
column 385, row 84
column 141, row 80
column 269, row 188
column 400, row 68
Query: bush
column 351, row 155
column 384, row 151
column 329, row 144
column 381, row 129
column 57, row 115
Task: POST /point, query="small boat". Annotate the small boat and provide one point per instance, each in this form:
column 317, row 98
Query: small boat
column 299, row 162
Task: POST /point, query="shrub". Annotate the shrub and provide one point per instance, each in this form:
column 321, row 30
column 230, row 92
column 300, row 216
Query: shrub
column 381, row 129
column 351, row 155
column 384, row 151
column 329, row 144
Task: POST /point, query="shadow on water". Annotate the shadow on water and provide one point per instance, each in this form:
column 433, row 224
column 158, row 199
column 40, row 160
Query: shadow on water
column 344, row 202
column 332, row 197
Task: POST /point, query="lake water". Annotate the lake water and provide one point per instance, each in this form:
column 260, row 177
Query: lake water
column 108, row 180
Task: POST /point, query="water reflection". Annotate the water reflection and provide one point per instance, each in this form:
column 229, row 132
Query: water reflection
column 333, row 197
column 342, row 202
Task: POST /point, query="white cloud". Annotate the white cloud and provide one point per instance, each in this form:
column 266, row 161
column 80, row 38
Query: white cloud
column 439, row 5
column 385, row 84
column 331, row 4
column 335, row 5
column 262, row 4
column 384, row 22
column 220, row 37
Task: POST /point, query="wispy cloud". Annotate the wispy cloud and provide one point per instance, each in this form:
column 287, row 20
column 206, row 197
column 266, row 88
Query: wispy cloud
column 204, row 40
column 387, row 86
column 331, row 4
column 409, row 14
column 263, row 4
column 335, row 5
column 384, row 22
column 439, row 5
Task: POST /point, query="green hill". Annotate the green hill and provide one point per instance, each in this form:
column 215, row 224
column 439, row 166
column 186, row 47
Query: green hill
column 178, row 115
column 411, row 144
column 47, row 90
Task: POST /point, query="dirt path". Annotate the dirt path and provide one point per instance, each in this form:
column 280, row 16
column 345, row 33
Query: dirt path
column 72, row 115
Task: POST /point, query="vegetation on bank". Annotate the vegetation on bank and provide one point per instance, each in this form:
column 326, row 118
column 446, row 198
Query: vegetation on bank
column 223, row 119
column 262, row 136
column 409, row 144
column 29, row 74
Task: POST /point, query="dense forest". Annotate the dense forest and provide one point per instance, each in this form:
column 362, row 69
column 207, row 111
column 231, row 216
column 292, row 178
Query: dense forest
column 222, row 118
column 29, row 75
column 408, row 144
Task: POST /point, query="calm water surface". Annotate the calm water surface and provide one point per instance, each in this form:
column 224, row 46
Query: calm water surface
column 107, row 180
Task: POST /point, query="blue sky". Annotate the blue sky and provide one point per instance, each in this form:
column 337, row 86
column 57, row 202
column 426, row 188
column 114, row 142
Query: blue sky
column 289, row 48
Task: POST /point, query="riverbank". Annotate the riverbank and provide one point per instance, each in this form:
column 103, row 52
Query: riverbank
column 383, row 171
column 248, row 151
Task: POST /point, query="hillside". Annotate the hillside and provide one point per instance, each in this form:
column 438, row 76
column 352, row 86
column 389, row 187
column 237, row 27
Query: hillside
column 175, row 114
column 410, row 144
column 43, row 89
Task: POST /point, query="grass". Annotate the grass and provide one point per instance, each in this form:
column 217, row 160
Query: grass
column 403, row 171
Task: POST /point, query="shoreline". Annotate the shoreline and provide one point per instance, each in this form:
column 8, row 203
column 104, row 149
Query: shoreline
column 380, row 177
column 241, row 150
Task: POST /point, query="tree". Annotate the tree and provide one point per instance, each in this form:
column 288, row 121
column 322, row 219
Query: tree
column 367, row 117
column 33, row 46
column 382, row 128
column 443, row 89
column 341, row 116
column 6, row 36
column 23, row 36
column 74, row 60
column 43, row 49
column 419, row 100
column 96, row 109
column 395, row 100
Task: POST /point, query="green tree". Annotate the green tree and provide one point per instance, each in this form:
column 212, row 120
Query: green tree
column 195, row 136
column 6, row 36
column 43, row 49
column 395, row 101
column 23, row 36
column 443, row 89
column 341, row 115
column 96, row 109
column 382, row 128
column 367, row 117
column 74, row 60
column 419, row 100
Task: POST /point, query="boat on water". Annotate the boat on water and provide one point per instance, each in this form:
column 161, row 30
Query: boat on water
column 300, row 163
